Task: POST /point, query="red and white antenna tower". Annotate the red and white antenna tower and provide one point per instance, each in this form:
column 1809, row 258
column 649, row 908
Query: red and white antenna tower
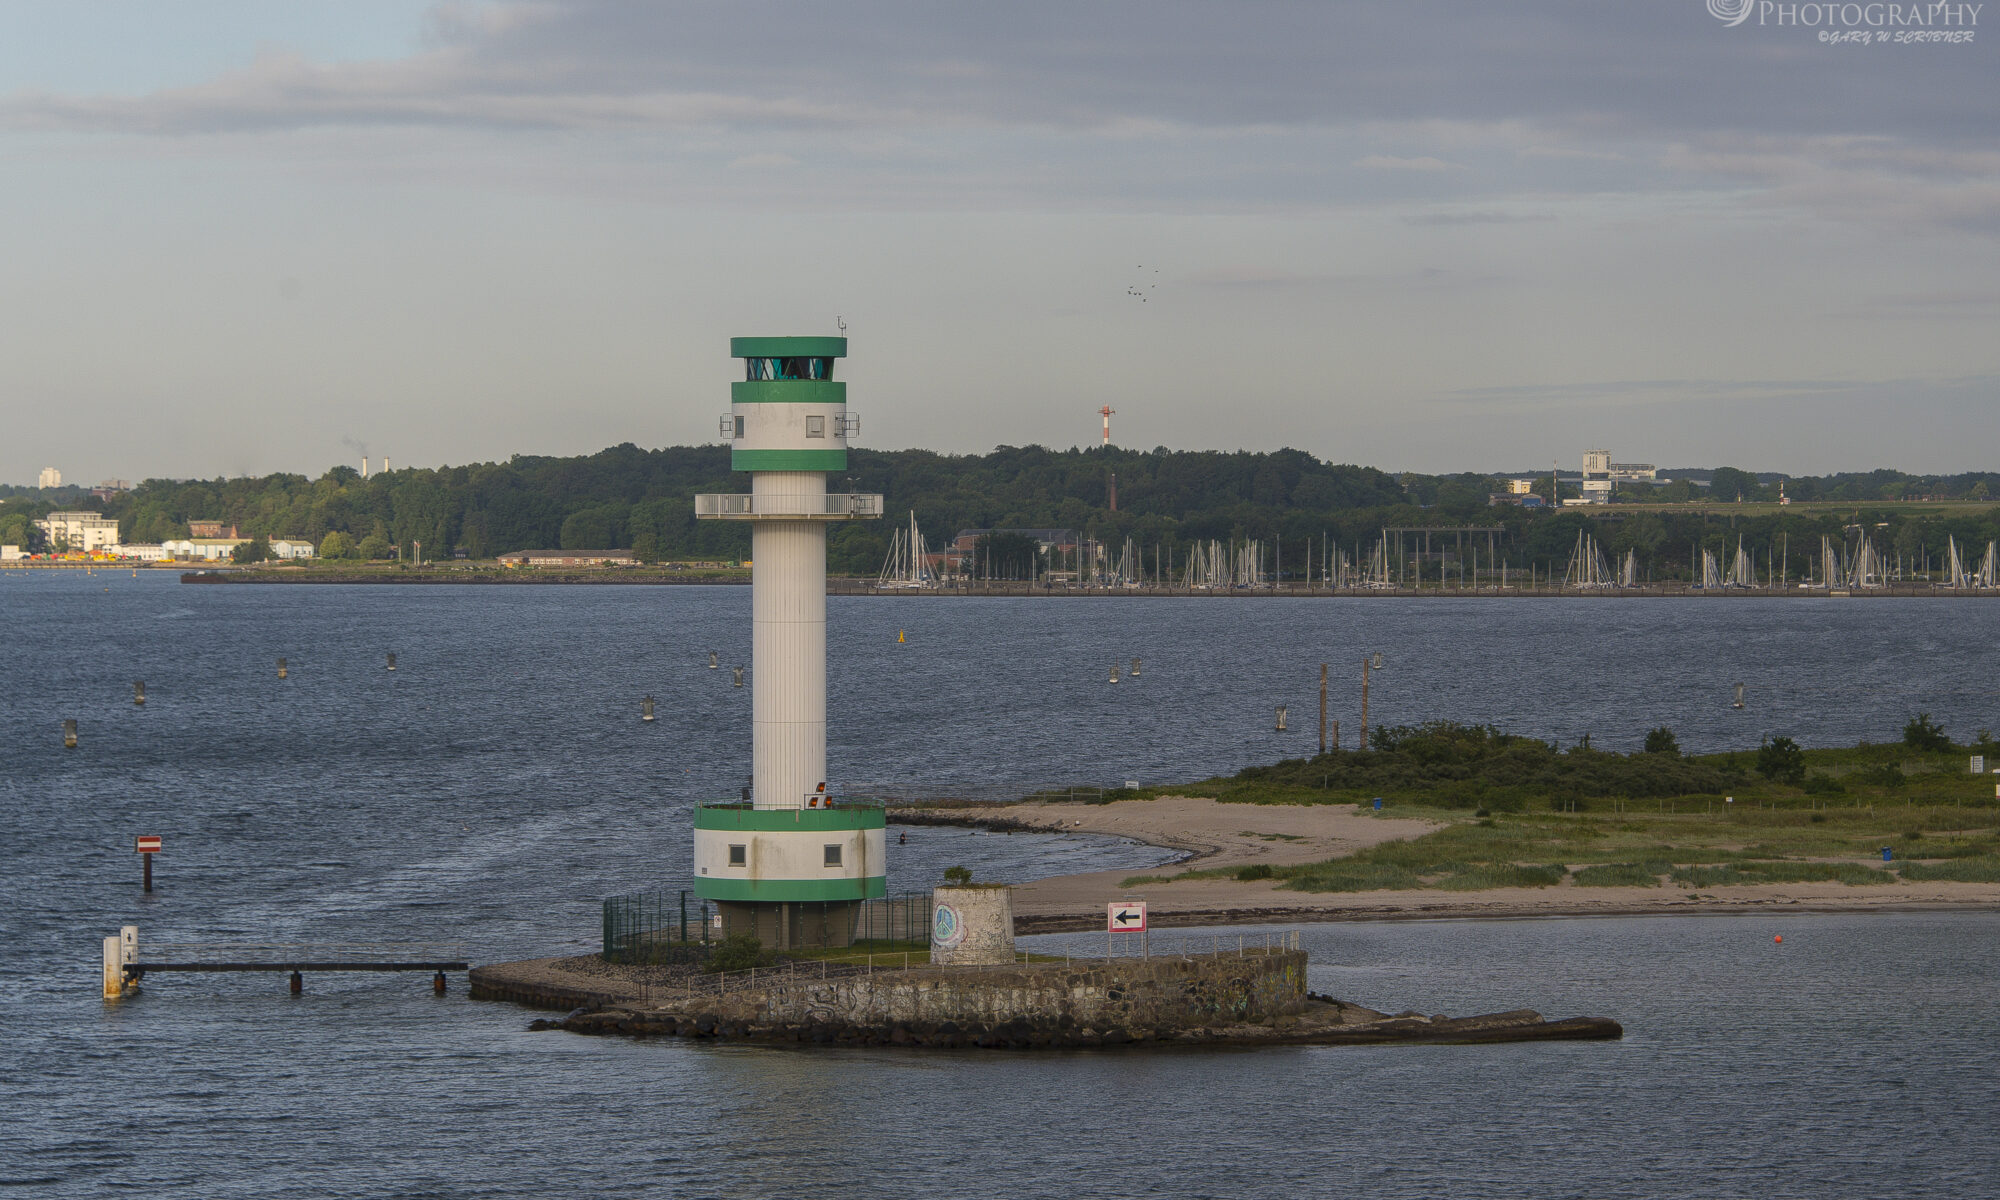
column 1107, row 410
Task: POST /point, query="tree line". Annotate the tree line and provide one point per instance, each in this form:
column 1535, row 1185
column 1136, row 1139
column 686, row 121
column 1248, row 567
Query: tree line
column 627, row 497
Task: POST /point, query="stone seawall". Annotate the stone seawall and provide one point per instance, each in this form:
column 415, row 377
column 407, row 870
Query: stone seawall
column 1151, row 992
column 1256, row 997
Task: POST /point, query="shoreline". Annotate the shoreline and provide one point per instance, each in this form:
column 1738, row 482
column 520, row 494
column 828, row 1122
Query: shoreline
column 862, row 587
column 1212, row 834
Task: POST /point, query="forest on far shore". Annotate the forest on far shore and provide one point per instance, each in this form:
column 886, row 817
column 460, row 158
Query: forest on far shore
column 630, row 498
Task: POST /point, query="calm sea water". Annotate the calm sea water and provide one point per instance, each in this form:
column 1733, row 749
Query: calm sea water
column 499, row 782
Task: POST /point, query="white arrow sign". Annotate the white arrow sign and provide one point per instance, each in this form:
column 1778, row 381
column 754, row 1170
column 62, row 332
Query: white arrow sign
column 1126, row 916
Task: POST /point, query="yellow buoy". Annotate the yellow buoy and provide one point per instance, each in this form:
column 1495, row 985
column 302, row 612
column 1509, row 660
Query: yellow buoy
column 899, row 635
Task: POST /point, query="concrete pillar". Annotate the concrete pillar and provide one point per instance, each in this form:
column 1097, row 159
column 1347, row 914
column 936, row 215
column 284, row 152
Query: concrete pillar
column 788, row 641
column 114, row 968
column 972, row 925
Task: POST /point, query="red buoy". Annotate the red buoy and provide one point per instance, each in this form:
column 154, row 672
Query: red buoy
column 1779, row 938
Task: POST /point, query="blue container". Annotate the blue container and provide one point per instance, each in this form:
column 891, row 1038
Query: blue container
column 1378, row 808
column 1888, row 853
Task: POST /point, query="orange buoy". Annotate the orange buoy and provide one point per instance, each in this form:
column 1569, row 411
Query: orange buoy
column 1778, row 938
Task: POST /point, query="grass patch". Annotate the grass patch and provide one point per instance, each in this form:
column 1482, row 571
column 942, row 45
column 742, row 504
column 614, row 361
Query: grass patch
column 1499, row 875
column 1350, row 875
column 1623, row 874
column 1768, row 871
column 1983, row 869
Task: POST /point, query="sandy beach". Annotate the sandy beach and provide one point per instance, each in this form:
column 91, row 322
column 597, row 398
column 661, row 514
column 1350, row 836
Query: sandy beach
column 1213, row 834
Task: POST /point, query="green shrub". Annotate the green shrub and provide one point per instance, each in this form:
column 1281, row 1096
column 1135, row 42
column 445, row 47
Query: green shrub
column 1882, row 775
column 1926, row 735
column 1824, row 785
column 1254, row 871
column 1662, row 741
column 1781, row 759
column 738, row 952
column 959, row 876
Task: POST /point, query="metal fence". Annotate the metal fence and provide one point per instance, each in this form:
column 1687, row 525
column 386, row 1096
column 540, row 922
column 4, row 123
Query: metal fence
column 671, row 925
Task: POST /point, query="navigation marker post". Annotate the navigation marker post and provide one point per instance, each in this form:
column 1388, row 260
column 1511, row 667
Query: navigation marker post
column 146, row 845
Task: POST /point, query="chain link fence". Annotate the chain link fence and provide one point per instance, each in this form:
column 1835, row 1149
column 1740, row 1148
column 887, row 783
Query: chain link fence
column 673, row 925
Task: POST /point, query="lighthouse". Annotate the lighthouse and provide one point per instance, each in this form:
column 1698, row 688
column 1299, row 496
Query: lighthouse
column 792, row 864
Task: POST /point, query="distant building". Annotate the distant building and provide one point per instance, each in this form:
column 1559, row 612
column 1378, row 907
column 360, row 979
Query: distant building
column 110, row 488
column 1601, row 475
column 568, row 558
column 291, row 548
column 141, row 551
column 50, row 478
column 958, row 553
column 10, row 553
column 84, row 531
column 210, row 529
column 203, row 549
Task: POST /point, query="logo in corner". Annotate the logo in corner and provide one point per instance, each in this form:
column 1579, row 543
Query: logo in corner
column 1731, row 12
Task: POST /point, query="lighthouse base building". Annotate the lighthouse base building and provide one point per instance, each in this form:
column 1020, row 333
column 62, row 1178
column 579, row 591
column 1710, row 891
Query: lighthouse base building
column 794, row 864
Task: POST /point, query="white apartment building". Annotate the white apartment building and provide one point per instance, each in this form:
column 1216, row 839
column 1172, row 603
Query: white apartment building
column 291, row 548
column 79, row 531
column 50, row 477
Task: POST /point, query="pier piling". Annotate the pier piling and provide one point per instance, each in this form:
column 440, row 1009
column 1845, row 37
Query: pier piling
column 69, row 733
column 1282, row 710
column 1135, row 668
column 285, row 672
column 646, row 709
column 738, row 672
column 139, row 692
column 1322, row 708
column 392, row 662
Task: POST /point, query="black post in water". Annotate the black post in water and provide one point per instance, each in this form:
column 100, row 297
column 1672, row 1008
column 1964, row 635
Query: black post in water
column 148, row 860
column 392, row 662
column 298, row 983
column 437, row 984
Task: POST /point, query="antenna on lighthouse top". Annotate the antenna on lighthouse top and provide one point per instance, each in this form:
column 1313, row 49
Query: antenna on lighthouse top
column 841, row 324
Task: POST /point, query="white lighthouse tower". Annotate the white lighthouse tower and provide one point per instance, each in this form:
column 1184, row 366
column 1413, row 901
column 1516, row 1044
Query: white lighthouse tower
column 791, row 865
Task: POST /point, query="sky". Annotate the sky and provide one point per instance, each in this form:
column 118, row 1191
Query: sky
column 1459, row 235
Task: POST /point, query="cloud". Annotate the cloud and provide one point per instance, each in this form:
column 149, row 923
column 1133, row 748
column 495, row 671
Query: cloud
column 1172, row 105
column 1390, row 162
column 1607, row 70
column 1484, row 217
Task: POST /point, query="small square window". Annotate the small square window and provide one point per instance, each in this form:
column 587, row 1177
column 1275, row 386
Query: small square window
column 739, row 427
column 815, row 426
column 739, row 856
column 833, row 856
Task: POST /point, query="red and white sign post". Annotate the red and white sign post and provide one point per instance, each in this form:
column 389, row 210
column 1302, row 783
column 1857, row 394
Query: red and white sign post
column 146, row 845
column 1126, row 916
